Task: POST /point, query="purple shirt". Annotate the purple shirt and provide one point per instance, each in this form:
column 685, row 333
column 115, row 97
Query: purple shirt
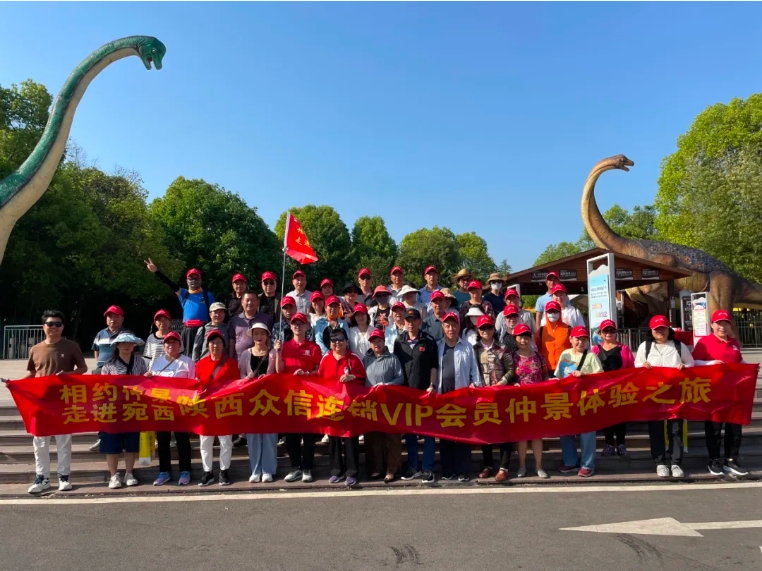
column 238, row 327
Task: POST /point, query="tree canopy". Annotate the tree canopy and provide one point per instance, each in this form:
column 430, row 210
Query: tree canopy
column 429, row 247
column 474, row 256
column 372, row 247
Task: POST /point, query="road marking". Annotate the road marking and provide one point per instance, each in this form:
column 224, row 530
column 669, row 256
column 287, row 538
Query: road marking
column 264, row 495
column 664, row 526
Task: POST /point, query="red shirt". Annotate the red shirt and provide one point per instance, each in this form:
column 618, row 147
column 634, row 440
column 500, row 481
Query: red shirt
column 305, row 356
column 333, row 370
column 228, row 372
column 711, row 348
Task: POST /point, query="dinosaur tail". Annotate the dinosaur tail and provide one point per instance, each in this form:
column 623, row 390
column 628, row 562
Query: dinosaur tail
column 750, row 293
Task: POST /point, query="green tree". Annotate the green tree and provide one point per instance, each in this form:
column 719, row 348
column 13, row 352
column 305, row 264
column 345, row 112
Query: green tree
column 214, row 230
column 330, row 240
column 557, row 251
column 23, row 115
column 504, row 267
column 426, row 247
column 373, row 247
column 474, row 256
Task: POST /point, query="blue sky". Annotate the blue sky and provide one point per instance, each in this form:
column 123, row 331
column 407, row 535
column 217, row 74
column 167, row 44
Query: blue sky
column 480, row 117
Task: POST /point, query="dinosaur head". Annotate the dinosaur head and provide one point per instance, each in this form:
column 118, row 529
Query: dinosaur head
column 617, row 162
column 151, row 51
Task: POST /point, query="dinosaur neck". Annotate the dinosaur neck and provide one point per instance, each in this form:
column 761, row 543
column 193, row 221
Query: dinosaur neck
column 600, row 232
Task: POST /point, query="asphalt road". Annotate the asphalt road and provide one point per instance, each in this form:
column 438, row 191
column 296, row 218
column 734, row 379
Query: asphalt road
column 388, row 531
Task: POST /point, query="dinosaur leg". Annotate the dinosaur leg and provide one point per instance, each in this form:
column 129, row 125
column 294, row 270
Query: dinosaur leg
column 722, row 291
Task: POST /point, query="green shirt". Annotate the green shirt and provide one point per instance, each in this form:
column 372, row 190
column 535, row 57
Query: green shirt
column 569, row 361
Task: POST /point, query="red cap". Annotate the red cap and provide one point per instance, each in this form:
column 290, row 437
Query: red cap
column 511, row 292
column 437, row 295
column 359, row 308
column 430, row 269
column 484, row 320
column 376, row 334
column 298, row 273
column 172, row 335
column 213, row 333
column 239, row 277
column 607, row 324
column 381, row 289
column 476, row 284
column 552, row 275
column 299, row 317
column 658, row 321
column 269, row 276
column 115, row 309
column 364, row 272
column 451, row 315
column 162, row 313
column 720, row 315
column 326, row 281
column 333, row 299
column 193, row 271
column 316, row 295
column 510, row 310
column 579, row 331
column 552, row 305
column 521, row 329
column 399, row 305
column 397, row 269
column 558, row 287
column 287, row 300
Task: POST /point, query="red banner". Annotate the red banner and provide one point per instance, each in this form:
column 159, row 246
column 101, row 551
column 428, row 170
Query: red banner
column 285, row 403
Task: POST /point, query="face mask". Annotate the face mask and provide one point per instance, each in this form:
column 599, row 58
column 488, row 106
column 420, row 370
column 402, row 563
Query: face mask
column 474, row 319
column 495, row 286
column 553, row 317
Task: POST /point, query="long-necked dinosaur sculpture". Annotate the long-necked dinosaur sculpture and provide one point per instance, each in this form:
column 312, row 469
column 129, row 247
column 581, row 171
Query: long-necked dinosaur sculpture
column 724, row 286
column 23, row 187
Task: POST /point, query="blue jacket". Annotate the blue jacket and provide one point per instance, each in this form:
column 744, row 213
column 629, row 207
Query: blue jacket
column 466, row 367
column 324, row 340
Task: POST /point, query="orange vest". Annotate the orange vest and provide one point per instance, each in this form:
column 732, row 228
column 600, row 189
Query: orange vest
column 552, row 342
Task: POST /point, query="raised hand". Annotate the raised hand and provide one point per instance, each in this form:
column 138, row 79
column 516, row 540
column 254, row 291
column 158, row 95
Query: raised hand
column 150, row 265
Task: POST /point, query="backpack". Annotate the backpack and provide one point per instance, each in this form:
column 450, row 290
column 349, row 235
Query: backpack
column 676, row 342
column 184, row 297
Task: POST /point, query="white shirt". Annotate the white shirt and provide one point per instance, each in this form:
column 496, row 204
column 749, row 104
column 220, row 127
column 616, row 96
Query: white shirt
column 302, row 300
column 359, row 342
column 183, row 367
column 569, row 315
column 664, row 355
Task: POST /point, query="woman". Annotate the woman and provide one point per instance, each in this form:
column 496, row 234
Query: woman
column 530, row 369
column 553, row 337
column 409, row 297
column 614, row 356
column 332, row 321
column 350, row 293
column 379, row 311
column 577, row 362
column 255, row 363
column 451, row 302
column 661, row 349
column 215, row 371
column 397, row 327
column 359, row 332
column 469, row 333
column 342, row 366
column 317, row 307
column 173, row 364
column 122, row 362
column 496, row 369
column 716, row 349
column 382, row 368
column 154, row 346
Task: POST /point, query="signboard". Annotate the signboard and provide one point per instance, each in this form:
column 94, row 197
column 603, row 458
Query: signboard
column 624, row 273
column 568, row 275
column 539, row 276
column 700, row 315
column 601, row 294
column 687, row 311
column 649, row 274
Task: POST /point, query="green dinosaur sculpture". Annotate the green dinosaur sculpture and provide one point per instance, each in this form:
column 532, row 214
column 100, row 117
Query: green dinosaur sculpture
column 725, row 287
column 23, row 187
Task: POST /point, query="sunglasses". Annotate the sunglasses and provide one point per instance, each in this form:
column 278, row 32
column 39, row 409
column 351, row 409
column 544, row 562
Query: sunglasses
column 54, row 323
column 486, row 328
column 269, row 282
column 338, row 340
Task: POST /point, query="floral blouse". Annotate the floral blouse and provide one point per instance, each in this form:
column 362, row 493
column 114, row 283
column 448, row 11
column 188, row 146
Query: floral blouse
column 530, row 370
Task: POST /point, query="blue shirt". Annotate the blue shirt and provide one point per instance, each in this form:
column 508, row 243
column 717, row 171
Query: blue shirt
column 539, row 307
column 426, row 294
column 194, row 305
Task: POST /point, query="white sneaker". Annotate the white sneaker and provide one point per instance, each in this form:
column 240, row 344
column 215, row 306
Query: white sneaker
column 542, row 473
column 662, row 471
column 677, row 471
column 255, row 479
column 40, row 484
column 94, row 447
column 130, row 480
column 361, row 438
column 306, row 475
column 267, row 478
column 324, row 439
column 115, row 482
column 294, row 475
column 64, row 484
column 521, row 472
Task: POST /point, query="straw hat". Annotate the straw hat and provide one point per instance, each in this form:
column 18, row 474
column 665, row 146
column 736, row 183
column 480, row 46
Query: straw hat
column 464, row 273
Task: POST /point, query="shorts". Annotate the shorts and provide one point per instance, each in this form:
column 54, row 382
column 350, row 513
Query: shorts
column 115, row 443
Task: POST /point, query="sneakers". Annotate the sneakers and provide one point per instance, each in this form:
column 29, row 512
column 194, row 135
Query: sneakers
column 662, row 471
column 542, row 474
column 361, row 438
column 585, row 472
column 96, row 446
column 184, row 479
column 40, row 484
column 162, row 479
column 294, row 475
column 306, row 475
column 463, row 478
column 224, row 478
column 448, row 477
column 715, row 468
column 115, row 482
column 63, row 483
column 677, row 471
column 412, row 474
column 622, row 451
column 255, row 479
column 130, row 480
column 350, row 481
column 732, row 468
column 608, row 450
column 427, row 477
column 206, row 479
column 324, row 440
column 568, row 469
column 239, row 441
column 522, row 471
column 267, row 478
column 335, row 479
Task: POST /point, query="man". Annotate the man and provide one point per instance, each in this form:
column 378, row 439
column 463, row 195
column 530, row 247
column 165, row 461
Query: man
column 431, row 275
column 462, row 279
column 268, row 300
column 512, row 298
column 551, row 280
column 102, row 344
column 282, row 329
column 300, row 294
column 553, row 337
column 409, row 296
column 240, row 285
column 475, row 300
column 366, row 286
column 458, row 368
column 495, row 293
column 53, row 356
column 379, row 314
column 417, row 352
column 326, row 288
column 396, row 327
column 217, row 323
column 398, row 280
column 433, row 322
column 569, row 314
column 238, row 340
column 195, row 302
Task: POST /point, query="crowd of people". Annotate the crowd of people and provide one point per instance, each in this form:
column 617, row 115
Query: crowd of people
column 432, row 339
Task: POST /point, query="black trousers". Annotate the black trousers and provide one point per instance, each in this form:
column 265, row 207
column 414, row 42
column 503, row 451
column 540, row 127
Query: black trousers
column 455, row 457
column 165, row 452
column 506, row 448
column 662, row 454
column 188, row 336
column 713, row 432
column 302, row 458
column 344, row 456
column 618, row 430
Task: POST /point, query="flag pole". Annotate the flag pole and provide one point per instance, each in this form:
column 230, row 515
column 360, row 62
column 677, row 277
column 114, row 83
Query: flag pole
column 283, row 277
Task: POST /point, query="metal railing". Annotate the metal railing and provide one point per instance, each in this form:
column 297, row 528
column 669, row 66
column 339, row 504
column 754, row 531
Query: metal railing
column 18, row 339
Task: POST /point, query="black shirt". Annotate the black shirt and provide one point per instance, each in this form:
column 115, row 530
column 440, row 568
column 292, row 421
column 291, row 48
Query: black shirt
column 234, row 305
column 417, row 358
column 381, row 319
column 269, row 305
column 611, row 359
column 448, row 369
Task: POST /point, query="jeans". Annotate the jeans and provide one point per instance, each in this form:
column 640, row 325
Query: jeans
column 713, row 431
column 663, row 455
column 429, row 451
column 587, row 446
column 263, row 453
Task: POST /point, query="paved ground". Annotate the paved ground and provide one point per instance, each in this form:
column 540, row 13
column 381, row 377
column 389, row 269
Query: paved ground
column 389, row 530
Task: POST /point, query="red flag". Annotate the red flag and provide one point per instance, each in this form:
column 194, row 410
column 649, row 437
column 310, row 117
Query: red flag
column 296, row 243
